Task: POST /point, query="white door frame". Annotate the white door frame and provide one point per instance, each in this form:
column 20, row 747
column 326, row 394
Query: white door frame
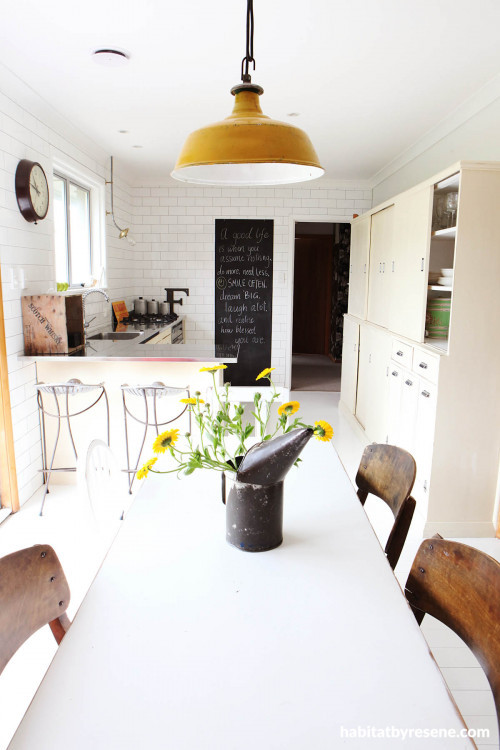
column 316, row 218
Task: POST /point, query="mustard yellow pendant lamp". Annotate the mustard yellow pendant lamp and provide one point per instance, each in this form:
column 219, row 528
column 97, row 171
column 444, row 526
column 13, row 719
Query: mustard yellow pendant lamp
column 247, row 148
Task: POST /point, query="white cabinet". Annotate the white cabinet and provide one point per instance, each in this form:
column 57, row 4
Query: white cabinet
column 349, row 374
column 450, row 414
column 412, row 411
column 424, row 442
column 409, row 263
column 380, row 259
column 395, row 378
column 372, row 392
column 358, row 269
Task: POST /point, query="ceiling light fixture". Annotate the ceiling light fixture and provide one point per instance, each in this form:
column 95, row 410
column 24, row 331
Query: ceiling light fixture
column 111, row 57
column 247, row 148
column 123, row 232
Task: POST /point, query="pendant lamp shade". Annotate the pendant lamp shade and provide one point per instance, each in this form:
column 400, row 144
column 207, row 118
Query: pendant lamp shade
column 247, row 148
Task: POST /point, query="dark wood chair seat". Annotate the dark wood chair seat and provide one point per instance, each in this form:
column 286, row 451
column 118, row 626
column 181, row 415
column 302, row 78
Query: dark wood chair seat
column 389, row 473
column 33, row 592
column 460, row 586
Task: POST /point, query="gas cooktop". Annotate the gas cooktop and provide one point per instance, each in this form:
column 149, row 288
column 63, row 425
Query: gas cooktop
column 138, row 322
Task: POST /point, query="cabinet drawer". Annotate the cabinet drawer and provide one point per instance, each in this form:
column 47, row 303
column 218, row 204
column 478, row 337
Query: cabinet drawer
column 426, row 365
column 402, row 353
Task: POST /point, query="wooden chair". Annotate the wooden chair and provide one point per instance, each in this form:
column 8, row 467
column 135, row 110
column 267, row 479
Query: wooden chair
column 389, row 473
column 460, row 586
column 33, row 592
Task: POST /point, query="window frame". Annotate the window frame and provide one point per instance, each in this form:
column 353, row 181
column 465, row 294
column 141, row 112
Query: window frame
column 95, row 186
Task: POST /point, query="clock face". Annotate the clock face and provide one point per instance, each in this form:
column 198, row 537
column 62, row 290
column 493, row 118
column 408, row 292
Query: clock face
column 32, row 190
column 39, row 191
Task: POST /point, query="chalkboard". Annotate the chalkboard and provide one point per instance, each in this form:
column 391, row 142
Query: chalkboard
column 244, row 295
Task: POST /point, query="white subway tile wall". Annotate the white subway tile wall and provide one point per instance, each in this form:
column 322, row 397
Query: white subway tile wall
column 27, row 251
column 175, row 232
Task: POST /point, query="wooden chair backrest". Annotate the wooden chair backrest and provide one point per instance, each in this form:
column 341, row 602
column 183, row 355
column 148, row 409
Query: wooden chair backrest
column 460, row 586
column 389, row 473
column 33, row 592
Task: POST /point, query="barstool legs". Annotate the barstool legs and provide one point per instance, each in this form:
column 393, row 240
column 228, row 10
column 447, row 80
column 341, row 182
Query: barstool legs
column 65, row 389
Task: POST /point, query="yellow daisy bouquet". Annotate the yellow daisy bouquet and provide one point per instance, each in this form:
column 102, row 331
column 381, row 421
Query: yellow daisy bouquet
column 221, row 436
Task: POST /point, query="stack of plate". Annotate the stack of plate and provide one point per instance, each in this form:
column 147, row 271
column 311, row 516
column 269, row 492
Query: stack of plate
column 446, row 278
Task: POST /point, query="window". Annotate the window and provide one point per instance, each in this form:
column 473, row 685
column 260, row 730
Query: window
column 78, row 204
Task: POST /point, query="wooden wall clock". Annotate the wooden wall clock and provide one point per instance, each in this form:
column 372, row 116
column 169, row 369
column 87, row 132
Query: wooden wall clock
column 32, row 190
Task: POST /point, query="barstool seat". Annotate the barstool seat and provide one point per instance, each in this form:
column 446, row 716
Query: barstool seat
column 72, row 387
column 149, row 417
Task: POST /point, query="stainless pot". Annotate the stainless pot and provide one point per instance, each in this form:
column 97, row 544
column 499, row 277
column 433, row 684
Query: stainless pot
column 140, row 306
column 153, row 307
column 164, row 308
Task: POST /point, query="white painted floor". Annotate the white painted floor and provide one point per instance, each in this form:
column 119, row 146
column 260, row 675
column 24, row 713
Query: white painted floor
column 81, row 543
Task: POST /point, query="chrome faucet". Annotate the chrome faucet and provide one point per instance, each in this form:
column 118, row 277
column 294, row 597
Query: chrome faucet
column 84, row 297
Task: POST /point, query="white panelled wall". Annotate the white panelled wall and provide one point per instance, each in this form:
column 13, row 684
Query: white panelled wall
column 175, row 229
column 27, row 251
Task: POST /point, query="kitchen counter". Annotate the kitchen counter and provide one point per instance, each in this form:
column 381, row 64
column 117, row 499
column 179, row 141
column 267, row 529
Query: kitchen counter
column 138, row 346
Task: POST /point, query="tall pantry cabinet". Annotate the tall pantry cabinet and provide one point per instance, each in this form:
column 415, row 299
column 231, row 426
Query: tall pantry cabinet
column 411, row 379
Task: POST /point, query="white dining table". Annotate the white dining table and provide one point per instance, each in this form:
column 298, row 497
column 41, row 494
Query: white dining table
column 185, row 642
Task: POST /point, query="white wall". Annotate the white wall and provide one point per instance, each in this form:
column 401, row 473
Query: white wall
column 30, row 248
column 175, row 229
column 477, row 138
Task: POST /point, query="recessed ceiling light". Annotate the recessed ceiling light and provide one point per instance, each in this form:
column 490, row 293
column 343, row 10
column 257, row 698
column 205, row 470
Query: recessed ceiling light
column 111, row 57
column 123, row 131
column 293, row 114
column 137, row 146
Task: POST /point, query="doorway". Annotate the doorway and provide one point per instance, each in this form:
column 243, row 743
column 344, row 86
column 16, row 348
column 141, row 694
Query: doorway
column 320, row 293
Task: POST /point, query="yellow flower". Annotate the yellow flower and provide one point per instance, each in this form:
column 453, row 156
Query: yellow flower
column 165, row 440
column 323, row 431
column 289, row 408
column 265, row 373
column 213, row 368
column 191, row 401
column 144, row 470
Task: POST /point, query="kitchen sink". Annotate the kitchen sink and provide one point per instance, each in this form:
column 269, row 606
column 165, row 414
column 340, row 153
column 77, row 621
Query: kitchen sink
column 116, row 336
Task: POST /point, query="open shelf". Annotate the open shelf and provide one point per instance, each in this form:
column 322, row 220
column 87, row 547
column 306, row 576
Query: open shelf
column 448, row 185
column 445, row 234
column 441, row 344
column 439, row 288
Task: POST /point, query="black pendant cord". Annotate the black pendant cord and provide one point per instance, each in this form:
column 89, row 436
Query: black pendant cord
column 249, row 58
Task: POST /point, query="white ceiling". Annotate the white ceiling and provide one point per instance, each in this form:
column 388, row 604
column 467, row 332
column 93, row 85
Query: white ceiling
column 368, row 77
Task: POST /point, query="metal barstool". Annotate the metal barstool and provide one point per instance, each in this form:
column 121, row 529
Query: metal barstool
column 71, row 388
column 154, row 391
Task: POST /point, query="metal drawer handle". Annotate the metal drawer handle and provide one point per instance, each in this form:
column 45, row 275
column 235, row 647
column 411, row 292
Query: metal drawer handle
column 426, row 394
column 395, row 373
column 423, row 365
column 399, row 353
column 409, row 382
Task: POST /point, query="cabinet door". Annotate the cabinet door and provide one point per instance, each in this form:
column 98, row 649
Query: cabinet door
column 371, row 400
column 408, row 412
column 409, row 263
column 394, row 403
column 349, row 373
column 358, row 269
column 424, row 441
column 379, row 276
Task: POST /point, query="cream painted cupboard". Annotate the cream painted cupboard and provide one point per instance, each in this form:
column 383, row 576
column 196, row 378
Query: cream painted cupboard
column 358, row 268
column 437, row 397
